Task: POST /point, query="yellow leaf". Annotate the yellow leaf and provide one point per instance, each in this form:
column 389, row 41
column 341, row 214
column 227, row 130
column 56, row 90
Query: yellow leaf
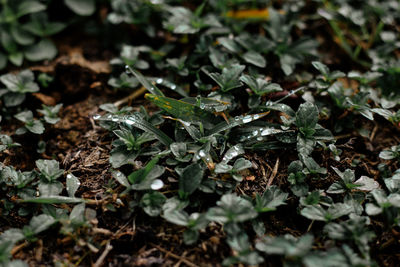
column 249, row 14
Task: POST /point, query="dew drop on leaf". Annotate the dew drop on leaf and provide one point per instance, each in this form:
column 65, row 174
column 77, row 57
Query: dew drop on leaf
column 157, row 184
column 96, row 116
column 247, row 119
column 159, row 80
column 202, row 154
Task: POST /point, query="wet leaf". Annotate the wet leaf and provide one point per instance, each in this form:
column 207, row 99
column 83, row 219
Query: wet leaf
column 53, row 200
column 191, row 178
column 138, row 122
column 152, row 88
column 184, row 111
column 73, row 184
column 272, row 198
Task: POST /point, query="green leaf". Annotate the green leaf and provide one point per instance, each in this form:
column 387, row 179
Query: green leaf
column 270, row 199
column 50, row 113
column 330, row 258
column 16, row 58
column 43, row 50
column 28, row 7
column 21, row 36
column 286, row 245
column 77, row 215
column 322, row 68
column 152, row 88
column 52, row 200
column 191, row 178
column 149, row 181
column 260, row 86
column 176, row 216
column 236, row 121
column 50, row 189
column 232, row 208
column 140, row 175
column 41, row 223
column 35, row 127
column 81, row 7
column 229, row 78
column 255, row 58
column 242, row 164
column 139, row 122
column 41, row 26
column 72, row 184
column 23, row 82
column 152, row 203
column 190, row 236
column 232, row 153
column 121, row 178
column 320, row 214
column 49, row 169
column 307, row 118
column 184, row 111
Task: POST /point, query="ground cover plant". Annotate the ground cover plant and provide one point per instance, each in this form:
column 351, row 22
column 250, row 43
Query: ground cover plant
column 199, row 133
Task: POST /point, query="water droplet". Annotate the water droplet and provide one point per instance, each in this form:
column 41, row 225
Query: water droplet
column 96, row 116
column 198, row 98
column 69, row 176
column 202, row 106
column 130, row 121
column 157, row 184
column 114, row 118
column 259, row 138
column 78, row 183
column 256, row 117
column 255, row 132
column 247, row 119
column 237, row 118
column 186, row 123
column 266, row 132
column 118, row 174
column 127, row 70
column 173, row 87
column 159, row 80
column 236, row 148
column 202, row 154
column 109, row 116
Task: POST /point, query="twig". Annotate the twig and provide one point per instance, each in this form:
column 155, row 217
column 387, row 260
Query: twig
column 18, row 248
column 184, row 260
column 274, row 172
column 309, row 227
column 373, row 133
column 103, row 255
column 130, row 97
